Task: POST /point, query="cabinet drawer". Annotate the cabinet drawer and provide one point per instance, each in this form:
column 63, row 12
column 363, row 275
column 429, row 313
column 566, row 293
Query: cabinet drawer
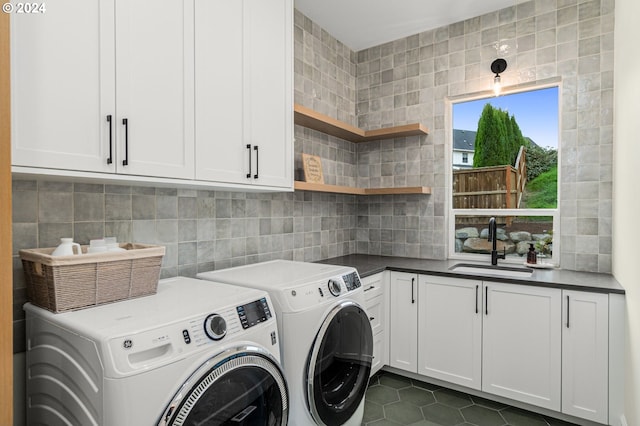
column 372, row 286
column 375, row 310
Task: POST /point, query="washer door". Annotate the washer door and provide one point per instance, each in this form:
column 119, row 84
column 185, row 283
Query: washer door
column 242, row 386
column 339, row 364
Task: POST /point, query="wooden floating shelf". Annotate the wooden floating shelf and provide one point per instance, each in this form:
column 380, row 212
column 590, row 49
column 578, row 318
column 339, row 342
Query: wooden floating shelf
column 337, row 189
column 323, row 123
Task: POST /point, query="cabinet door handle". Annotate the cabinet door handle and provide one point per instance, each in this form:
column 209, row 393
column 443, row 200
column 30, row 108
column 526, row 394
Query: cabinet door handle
column 413, row 299
column 567, row 311
column 477, row 298
column 249, row 174
column 125, row 123
column 371, row 287
column 486, row 300
column 372, row 318
column 255, row 148
column 110, row 159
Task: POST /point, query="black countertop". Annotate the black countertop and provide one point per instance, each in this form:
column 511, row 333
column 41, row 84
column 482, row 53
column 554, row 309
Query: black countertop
column 555, row 278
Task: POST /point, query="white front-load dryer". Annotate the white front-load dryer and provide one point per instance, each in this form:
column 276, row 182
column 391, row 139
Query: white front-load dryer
column 192, row 354
column 325, row 335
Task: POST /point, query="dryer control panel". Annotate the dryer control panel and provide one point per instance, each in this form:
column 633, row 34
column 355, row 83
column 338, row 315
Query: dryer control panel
column 352, row 281
column 309, row 295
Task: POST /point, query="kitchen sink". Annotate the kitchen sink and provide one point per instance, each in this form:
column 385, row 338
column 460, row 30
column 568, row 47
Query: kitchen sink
column 502, row 271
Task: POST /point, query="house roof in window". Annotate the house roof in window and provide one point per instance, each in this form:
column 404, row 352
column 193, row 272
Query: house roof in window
column 464, row 140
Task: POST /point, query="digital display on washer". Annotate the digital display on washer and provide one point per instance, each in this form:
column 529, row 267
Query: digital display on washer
column 254, row 313
column 352, row 281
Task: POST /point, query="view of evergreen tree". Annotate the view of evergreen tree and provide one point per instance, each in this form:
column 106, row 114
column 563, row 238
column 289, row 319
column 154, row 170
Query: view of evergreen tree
column 491, row 139
column 518, row 138
column 498, row 138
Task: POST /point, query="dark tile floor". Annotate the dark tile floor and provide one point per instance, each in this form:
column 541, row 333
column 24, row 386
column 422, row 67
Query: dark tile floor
column 395, row 400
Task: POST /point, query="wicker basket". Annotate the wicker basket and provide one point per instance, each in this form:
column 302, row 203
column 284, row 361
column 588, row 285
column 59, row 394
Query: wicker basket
column 64, row 283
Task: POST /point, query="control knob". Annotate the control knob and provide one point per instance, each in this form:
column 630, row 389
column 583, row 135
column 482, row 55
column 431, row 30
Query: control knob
column 334, row 287
column 215, row 327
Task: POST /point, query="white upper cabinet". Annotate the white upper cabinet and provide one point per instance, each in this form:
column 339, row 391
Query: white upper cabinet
column 84, row 67
column 243, row 86
column 154, row 91
column 269, row 31
column 63, row 86
column 142, row 89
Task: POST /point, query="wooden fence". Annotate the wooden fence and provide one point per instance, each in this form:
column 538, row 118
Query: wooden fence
column 496, row 187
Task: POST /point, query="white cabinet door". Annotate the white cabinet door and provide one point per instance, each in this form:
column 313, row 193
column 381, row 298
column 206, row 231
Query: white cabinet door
column 585, row 325
column 522, row 343
column 68, row 111
column 403, row 321
column 244, row 86
column 154, row 63
column 63, row 86
column 450, row 330
column 219, row 92
column 269, row 111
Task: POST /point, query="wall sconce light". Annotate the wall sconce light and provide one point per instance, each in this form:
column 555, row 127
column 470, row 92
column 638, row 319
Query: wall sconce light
column 498, row 66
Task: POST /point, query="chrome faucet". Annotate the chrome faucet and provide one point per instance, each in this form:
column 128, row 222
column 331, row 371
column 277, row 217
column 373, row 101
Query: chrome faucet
column 493, row 237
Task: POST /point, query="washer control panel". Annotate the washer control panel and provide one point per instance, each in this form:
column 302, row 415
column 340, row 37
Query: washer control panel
column 254, row 313
column 215, row 327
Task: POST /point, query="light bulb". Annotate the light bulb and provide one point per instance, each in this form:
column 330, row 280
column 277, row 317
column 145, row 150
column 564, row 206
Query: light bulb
column 497, row 86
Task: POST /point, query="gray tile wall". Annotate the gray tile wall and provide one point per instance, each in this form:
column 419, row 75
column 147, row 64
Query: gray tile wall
column 325, row 81
column 201, row 230
column 325, row 71
column 407, row 80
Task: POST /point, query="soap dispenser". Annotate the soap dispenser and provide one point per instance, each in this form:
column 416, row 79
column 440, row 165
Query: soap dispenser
column 531, row 255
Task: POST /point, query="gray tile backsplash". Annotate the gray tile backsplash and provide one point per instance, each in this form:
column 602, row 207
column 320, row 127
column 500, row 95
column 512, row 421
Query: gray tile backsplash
column 201, row 230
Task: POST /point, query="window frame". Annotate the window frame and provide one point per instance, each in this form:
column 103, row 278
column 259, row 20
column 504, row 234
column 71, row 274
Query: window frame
column 449, row 103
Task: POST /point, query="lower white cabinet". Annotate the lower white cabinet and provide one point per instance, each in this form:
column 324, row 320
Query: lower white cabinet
column 403, row 321
column 450, row 330
column 585, row 355
column 375, row 290
column 521, row 343
column 542, row 346
column 500, row 338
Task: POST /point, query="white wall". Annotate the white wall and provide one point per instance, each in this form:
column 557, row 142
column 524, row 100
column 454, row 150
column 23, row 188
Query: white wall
column 626, row 208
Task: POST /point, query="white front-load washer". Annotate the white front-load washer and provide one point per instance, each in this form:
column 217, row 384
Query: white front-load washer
column 325, row 336
column 192, row 354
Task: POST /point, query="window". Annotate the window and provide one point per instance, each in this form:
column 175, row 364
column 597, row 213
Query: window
column 511, row 174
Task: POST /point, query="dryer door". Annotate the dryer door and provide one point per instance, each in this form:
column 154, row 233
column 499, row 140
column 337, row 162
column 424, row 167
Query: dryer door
column 239, row 387
column 339, row 365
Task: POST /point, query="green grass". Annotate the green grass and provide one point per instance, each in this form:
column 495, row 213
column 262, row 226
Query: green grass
column 542, row 192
